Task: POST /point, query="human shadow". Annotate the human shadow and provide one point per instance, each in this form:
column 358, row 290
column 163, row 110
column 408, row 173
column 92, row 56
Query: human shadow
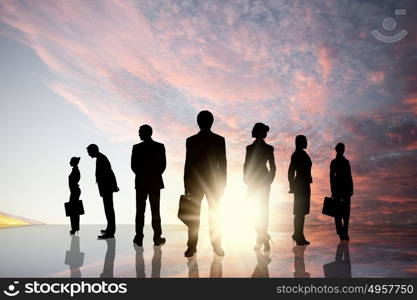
column 341, row 267
column 299, row 264
column 74, row 258
column 261, row 269
column 108, row 267
column 192, row 265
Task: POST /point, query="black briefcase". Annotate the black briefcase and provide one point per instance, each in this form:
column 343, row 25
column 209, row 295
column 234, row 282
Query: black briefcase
column 188, row 210
column 329, row 206
column 74, row 208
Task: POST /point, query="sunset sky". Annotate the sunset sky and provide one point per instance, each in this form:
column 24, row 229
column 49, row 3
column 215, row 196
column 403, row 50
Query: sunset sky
column 79, row 72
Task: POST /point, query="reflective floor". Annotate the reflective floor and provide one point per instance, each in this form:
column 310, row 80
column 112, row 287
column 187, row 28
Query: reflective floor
column 49, row 251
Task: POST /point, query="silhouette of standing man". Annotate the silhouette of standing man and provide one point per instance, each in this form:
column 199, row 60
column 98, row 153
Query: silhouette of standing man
column 299, row 177
column 148, row 163
column 205, row 173
column 107, row 185
column 342, row 189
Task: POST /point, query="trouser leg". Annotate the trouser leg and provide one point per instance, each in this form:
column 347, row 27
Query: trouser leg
column 263, row 216
column 299, row 226
column 109, row 211
column 194, row 225
column 338, row 223
column 75, row 222
column 214, row 219
column 154, row 200
column 347, row 215
column 140, row 212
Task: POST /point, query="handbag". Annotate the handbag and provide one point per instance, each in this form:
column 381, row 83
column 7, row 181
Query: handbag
column 187, row 210
column 329, row 206
column 74, row 208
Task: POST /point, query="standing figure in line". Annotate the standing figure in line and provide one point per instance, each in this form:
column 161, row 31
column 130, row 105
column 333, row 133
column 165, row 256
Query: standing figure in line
column 205, row 174
column 107, row 185
column 259, row 179
column 342, row 189
column 75, row 192
column 299, row 177
column 148, row 163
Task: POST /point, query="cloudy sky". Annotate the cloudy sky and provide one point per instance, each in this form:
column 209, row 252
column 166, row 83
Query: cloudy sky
column 78, row 72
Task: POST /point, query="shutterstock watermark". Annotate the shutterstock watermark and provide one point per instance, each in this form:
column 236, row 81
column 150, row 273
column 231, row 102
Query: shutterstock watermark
column 389, row 24
column 70, row 288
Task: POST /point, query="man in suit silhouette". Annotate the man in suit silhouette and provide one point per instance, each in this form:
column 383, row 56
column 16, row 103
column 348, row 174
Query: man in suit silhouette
column 148, row 163
column 342, row 189
column 205, row 175
column 107, row 185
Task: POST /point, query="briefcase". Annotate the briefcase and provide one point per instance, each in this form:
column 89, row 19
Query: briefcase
column 188, row 210
column 74, row 208
column 329, row 206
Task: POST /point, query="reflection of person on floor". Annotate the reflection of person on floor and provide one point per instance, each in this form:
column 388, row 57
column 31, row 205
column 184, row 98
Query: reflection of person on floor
column 140, row 262
column 108, row 266
column 74, row 258
column 216, row 268
column 261, row 269
column 299, row 265
column 341, row 267
column 258, row 179
column 192, row 267
column 156, row 262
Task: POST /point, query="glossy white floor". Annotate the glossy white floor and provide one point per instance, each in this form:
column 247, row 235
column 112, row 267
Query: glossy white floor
column 49, row 251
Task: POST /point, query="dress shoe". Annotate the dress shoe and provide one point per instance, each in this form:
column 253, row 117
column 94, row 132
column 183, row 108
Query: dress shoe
column 105, row 236
column 159, row 241
column 344, row 237
column 190, row 252
column 138, row 241
column 103, row 231
column 218, row 250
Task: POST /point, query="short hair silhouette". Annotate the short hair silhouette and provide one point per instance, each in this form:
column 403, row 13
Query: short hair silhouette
column 92, row 150
column 340, row 148
column 145, row 131
column 205, row 119
column 74, row 161
column 260, row 130
column 301, row 142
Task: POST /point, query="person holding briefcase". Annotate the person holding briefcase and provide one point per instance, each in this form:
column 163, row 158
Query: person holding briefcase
column 73, row 180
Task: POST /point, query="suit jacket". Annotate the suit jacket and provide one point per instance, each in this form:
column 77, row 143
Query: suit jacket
column 105, row 178
column 255, row 172
column 299, row 170
column 205, row 162
column 341, row 177
column 148, row 163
